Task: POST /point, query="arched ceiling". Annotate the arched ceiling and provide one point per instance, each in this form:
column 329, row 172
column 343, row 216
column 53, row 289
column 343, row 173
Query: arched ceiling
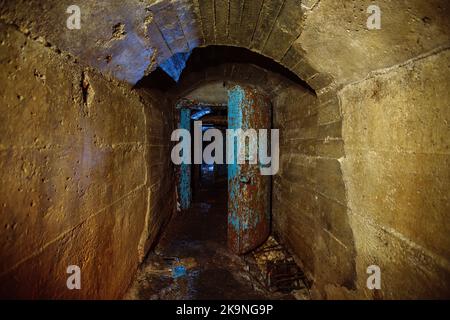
column 151, row 32
column 322, row 41
column 207, row 59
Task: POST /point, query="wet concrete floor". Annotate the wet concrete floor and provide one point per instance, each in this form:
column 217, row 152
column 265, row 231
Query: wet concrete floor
column 191, row 260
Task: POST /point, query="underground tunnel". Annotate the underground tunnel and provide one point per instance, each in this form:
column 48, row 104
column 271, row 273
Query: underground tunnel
column 124, row 175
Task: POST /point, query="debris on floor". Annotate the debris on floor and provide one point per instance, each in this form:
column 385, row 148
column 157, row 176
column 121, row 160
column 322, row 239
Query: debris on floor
column 170, row 266
column 192, row 261
column 274, row 268
column 178, row 271
column 180, row 267
column 164, row 277
column 214, row 273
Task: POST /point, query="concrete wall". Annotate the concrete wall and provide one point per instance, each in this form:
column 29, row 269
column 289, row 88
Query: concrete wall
column 364, row 180
column 81, row 159
column 364, row 172
column 160, row 169
column 309, row 200
column 397, row 175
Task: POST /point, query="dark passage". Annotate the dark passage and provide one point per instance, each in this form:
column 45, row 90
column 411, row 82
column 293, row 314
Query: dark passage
column 191, row 260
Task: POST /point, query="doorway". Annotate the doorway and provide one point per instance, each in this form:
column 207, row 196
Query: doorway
column 237, row 133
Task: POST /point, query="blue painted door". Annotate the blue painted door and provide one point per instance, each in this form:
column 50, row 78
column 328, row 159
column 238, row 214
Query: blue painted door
column 248, row 190
column 185, row 168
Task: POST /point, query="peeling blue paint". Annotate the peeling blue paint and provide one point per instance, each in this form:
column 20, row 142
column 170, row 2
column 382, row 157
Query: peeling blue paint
column 175, row 65
column 178, row 272
column 249, row 193
column 235, row 98
column 185, row 169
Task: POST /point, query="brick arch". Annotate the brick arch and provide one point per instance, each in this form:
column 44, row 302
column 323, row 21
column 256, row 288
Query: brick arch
column 128, row 40
column 267, row 28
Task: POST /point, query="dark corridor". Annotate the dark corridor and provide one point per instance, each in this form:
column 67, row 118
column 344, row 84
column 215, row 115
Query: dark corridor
column 191, row 261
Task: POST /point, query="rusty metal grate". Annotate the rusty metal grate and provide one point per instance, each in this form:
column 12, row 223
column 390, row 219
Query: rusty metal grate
column 274, row 268
column 284, row 276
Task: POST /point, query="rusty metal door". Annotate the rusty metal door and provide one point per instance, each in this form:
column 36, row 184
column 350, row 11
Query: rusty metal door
column 248, row 190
